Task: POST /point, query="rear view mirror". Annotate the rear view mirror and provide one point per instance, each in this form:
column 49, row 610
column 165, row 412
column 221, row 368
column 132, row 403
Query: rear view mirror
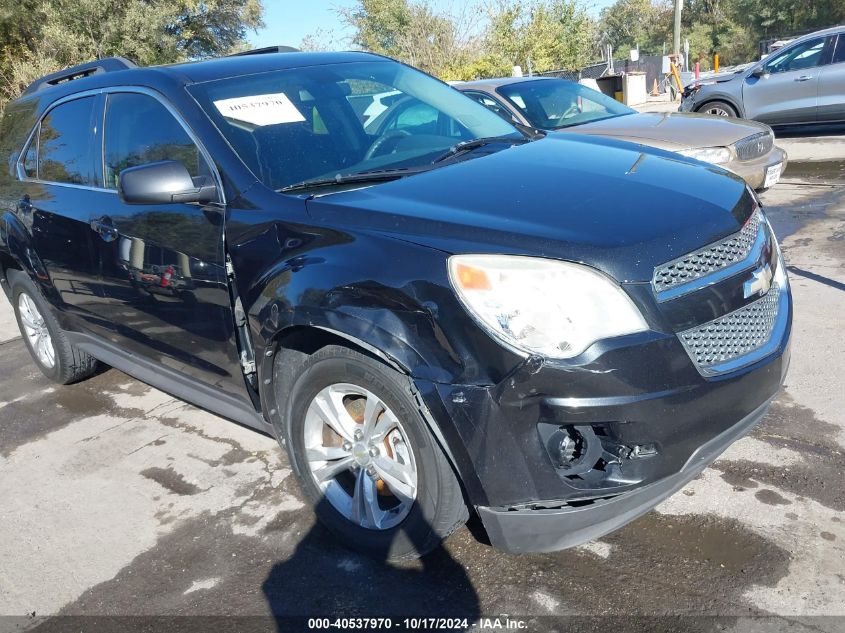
column 164, row 182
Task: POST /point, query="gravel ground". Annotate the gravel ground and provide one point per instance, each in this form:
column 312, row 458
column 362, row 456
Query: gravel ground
column 118, row 500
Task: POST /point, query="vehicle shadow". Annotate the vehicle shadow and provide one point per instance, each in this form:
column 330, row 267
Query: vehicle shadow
column 827, row 281
column 322, row 579
column 810, row 131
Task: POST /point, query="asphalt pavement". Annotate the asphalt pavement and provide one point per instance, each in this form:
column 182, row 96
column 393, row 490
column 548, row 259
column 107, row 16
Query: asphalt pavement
column 119, row 500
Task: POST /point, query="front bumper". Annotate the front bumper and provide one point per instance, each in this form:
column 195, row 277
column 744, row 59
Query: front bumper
column 636, row 392
column 687, row 104
column 754, row 171
column 547, row 530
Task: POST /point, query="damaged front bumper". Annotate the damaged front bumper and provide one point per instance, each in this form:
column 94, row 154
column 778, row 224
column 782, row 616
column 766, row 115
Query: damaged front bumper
column 560, row 453
column 547, row 530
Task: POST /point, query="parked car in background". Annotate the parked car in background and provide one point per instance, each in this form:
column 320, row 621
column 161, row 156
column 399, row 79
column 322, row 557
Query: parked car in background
column 802, row 83
column 747, row 149
column 437, row 315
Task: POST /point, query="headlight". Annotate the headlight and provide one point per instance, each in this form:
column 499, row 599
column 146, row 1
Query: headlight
column 556, row 309
column 715, row 155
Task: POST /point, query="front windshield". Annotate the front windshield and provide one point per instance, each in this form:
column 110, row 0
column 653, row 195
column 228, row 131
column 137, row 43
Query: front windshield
column 551, row 104
column 302, row 124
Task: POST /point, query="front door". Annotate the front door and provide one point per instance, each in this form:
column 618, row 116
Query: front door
column 832, row 86
column 788, row 92
column 163, row 266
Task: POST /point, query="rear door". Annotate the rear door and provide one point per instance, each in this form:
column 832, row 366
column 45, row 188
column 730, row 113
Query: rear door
column 163, row 266
column 789, row 92
column 58, row 170
column 832, row 85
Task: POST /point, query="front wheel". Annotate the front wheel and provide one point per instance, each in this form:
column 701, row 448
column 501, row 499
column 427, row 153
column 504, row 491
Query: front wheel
column 366, row 459
column 718, row 108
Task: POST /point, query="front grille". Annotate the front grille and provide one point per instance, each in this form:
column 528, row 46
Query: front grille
column 734, row 334
column 754, row 146
column 709, row 259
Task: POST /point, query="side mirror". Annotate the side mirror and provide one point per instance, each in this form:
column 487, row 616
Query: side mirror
column 164, row 182
column 759, row 72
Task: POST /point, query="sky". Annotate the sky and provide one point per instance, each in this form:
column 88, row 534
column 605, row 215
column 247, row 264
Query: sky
column 288, row 21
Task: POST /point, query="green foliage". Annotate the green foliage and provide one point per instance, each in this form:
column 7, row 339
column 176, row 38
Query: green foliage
column 41, row 36
column 545, row 34
column 711, row 27
column 780, row 18
column 627, row 24
column 732, row 28
column 410, row 31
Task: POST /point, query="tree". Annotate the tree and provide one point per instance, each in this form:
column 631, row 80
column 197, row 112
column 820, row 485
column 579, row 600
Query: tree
column 413, row 32
column 629, row 24
column 710, row 28
column 42, row 36
column 784, row 18
column 547, row 35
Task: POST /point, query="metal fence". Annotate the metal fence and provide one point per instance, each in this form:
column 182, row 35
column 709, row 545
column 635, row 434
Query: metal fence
column 651, row 65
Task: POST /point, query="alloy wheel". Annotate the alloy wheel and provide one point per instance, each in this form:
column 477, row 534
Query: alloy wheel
column 360, row 457
column 36, row 332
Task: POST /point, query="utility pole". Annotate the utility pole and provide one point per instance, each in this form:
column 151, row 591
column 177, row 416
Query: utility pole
column 676, row 44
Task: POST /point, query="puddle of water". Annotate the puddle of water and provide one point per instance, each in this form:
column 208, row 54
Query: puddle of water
column 816, row 172
column 791, row 426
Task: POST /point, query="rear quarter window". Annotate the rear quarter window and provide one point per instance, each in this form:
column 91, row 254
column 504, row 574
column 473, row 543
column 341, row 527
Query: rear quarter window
column 15, row 127
column 65, row 145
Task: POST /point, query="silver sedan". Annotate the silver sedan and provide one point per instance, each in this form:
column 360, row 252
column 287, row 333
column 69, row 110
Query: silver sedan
column 746, row 148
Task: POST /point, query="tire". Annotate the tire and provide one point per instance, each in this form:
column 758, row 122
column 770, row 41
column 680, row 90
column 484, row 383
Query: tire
column 69, row 364
column 409, row 529
column 718, row 108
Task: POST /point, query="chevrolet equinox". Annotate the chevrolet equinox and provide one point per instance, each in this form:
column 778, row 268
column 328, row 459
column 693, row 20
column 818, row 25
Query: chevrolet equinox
column 435, row 312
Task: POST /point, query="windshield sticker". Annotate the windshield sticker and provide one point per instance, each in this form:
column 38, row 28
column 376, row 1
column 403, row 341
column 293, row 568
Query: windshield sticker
column 260, row 110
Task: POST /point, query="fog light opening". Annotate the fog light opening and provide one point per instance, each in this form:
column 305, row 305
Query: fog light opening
column 574, row 449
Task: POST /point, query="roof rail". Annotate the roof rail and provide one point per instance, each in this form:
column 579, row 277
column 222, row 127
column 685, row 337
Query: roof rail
column 105, row 65
column 266, row 50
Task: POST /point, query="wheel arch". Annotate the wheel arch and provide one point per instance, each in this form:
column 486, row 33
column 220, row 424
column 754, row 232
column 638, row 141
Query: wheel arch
column 291, row 348
column 18, row 253
column 7, row 263
column 721, row 97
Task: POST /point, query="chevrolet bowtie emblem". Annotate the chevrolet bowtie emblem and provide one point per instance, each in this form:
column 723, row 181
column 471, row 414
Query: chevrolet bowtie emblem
column 760, row 282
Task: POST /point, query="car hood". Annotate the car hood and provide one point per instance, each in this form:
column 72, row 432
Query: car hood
column 718, row 78
column 616, row 206
column 673, row 130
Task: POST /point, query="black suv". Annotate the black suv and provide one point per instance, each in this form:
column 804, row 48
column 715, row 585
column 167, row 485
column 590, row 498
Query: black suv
column 435, row 312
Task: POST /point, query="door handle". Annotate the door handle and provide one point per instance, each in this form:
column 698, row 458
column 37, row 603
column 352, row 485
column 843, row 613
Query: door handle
column 804, row 78
column 105, row 228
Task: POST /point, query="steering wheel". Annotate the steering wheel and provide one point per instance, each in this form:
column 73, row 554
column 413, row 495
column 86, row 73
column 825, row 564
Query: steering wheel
column 381, row 142
column 572, row 110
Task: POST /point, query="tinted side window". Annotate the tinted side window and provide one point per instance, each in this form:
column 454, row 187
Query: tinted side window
column 140, row 130
column 65, row 148
column 801, row 57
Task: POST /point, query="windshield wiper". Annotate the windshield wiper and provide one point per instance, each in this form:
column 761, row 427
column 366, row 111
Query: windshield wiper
column 600, row 118
column 468, row 146
column 376, row 175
